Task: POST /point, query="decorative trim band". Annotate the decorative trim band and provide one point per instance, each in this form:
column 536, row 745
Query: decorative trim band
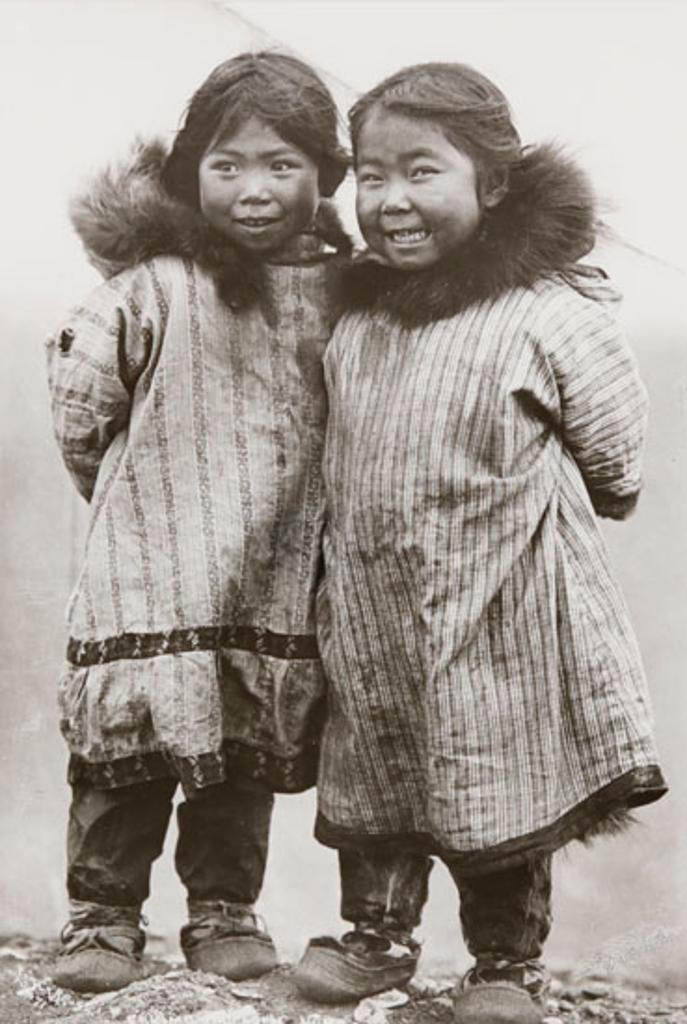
column 278, row 774
column 288, row 646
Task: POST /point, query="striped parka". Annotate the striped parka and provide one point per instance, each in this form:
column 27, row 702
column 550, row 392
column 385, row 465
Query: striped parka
column 487, row 697
column 195, row 430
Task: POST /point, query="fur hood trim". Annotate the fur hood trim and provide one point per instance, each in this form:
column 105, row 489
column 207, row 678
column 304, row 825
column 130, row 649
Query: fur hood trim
column 126, row 217
column 545, row 223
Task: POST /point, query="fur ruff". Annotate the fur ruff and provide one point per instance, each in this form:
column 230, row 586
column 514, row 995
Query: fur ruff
column 542, row 227
column 127, row 217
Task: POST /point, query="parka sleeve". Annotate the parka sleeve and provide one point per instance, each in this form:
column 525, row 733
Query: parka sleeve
column 603, row 402
column 94, row 360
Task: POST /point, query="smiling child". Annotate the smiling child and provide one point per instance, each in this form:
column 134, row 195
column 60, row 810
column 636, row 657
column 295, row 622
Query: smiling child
column 189, row 405
column 487, row 701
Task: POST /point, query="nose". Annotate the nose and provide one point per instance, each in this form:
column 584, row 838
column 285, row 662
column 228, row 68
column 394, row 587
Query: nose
column 395, row 198
column 255, row 190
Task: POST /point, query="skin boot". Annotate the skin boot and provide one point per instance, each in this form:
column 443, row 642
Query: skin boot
column 363, row 962
column 506, row 917
column 226, row 939
column 101, row 948
column 382, row 894
column 502, row 992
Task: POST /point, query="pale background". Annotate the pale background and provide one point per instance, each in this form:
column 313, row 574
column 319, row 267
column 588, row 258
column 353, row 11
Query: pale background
column 77, row 81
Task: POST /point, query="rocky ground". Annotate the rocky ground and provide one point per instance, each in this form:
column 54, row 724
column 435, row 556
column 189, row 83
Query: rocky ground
column 173, row 995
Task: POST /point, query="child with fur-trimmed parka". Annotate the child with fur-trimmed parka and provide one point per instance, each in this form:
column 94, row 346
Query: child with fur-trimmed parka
column 487, row 702
column 189, row 405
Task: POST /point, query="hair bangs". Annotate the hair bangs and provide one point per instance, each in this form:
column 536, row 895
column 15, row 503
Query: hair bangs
column 472, row 112
column 282, row 92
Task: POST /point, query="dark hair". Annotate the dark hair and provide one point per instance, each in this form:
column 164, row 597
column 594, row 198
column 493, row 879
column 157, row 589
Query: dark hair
column 281, row 91
column 470, row 110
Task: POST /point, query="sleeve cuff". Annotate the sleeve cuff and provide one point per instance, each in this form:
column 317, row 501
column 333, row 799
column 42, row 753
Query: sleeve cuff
column 613, row 506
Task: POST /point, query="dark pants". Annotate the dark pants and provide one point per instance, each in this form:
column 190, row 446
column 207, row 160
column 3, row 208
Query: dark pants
column 114, row 835
column 505, row 915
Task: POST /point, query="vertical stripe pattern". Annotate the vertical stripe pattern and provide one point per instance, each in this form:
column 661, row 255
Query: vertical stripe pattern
column 197, row 434
column 485, row 678
column 201, row 442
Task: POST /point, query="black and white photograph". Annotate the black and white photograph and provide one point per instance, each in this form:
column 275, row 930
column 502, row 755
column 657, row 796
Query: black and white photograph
column 344, row 512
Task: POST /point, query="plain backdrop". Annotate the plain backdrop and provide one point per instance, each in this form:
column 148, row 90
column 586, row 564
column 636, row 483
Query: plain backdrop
column 78, row 80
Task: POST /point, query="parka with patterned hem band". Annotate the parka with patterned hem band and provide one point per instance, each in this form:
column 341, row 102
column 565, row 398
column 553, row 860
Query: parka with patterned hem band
column 189, row 406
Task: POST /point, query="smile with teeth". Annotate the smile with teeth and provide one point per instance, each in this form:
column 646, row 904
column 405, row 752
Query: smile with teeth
column 408, row 236
column 257, row 222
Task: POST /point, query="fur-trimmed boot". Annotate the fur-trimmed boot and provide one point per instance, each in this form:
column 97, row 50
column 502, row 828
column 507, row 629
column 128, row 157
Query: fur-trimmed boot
column 502, row 992
column 101, row 948
column 226, row 939
column 363, row 962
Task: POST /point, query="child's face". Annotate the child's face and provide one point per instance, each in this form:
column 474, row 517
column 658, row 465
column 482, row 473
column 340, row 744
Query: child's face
column 417, row 196
column 257, row 189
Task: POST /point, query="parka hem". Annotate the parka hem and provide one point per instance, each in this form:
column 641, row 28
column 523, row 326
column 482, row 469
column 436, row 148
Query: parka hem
column 198, row 771
column 605, row 811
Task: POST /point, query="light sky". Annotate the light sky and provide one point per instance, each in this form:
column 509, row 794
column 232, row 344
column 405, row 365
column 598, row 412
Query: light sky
column 80, row 78
column 607, row 78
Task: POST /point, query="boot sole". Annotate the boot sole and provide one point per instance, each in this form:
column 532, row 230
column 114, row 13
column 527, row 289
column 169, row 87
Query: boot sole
column 97, row 970
column 496, row 1004
column 328, row 976
column 235, row 958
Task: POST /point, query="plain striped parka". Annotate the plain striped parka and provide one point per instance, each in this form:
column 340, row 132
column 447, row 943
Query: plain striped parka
column 189, row 406
column 487, row 698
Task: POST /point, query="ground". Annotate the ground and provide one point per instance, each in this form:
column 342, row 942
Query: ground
column 174, row 995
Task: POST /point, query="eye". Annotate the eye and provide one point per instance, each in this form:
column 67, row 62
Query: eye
column 423, row 171
column 368, row 178
column 225, row 166
column 280, row 166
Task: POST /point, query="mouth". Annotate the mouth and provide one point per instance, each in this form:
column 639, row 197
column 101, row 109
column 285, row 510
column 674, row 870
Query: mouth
column 256, row 223
column 408, row 236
